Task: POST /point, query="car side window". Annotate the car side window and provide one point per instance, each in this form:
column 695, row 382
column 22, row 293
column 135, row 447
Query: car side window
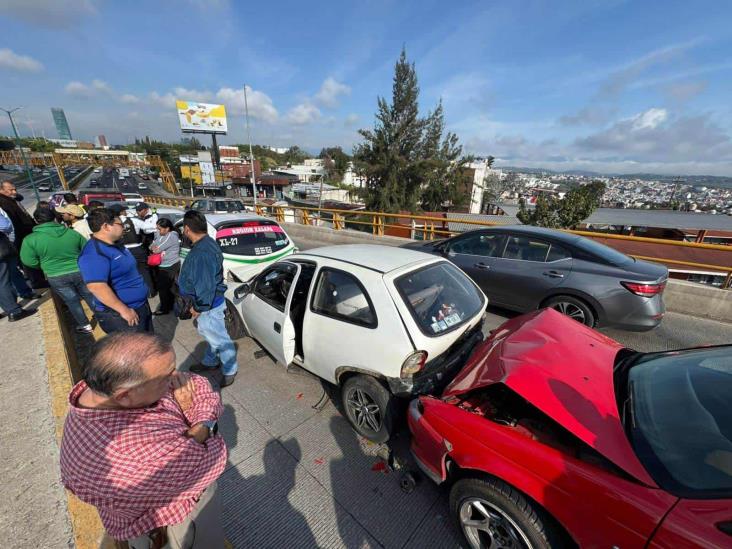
column 557, row 253
column 273, row 285
column 341, row 296
column 525, row 248
column 483, row 244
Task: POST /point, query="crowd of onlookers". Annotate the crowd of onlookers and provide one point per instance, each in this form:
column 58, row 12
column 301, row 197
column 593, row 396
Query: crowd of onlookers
column 115, row 262
column 141, row 439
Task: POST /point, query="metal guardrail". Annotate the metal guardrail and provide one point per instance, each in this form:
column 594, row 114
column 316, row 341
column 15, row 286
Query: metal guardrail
column 430, row 227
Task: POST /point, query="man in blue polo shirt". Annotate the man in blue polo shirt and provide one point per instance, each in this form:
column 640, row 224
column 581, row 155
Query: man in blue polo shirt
column 110, row 272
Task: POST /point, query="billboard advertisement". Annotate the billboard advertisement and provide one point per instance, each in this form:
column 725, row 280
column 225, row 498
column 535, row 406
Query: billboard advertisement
column 197, row 117
column 208, row 175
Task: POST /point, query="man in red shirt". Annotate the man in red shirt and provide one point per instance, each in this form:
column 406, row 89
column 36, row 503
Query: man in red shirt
column 140, row 443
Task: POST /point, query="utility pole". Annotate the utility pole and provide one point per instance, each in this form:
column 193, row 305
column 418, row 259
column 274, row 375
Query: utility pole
column 251, row 155
column 10, row 112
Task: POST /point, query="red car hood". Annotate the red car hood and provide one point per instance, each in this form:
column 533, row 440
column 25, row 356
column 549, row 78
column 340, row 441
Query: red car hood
column 564, row 369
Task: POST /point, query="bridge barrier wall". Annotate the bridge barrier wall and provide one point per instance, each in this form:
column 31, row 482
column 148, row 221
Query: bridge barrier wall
column 683, row 297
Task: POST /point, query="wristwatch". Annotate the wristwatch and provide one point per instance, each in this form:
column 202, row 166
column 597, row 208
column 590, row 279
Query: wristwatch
column 213, row 427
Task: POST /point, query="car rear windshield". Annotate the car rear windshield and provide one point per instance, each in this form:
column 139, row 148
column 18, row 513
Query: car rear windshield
column 261, row 237
column 440, row 297
column 228, row 205
column 682, row 420
column 605, row 253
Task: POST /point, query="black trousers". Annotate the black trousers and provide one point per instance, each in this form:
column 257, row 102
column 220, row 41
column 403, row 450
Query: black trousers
column 140, row 255
column 166, row 278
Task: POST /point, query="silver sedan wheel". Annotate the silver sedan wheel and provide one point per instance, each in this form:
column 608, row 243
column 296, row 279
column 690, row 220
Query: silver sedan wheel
column 487, row 526
column 364, row 410
column 571, row 310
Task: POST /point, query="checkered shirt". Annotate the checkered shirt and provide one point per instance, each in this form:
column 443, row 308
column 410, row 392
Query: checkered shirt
column 136, row 466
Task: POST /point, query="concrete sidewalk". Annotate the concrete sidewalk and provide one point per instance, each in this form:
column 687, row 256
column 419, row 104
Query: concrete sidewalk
column 33, row 510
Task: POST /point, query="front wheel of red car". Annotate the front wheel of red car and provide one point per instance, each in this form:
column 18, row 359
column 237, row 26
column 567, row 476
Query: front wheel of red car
column 490, row 513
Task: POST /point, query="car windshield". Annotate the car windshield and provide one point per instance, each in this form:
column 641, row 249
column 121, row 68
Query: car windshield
column 682, row 419
column 605, row 253
column 440, row 297
column 258, row 237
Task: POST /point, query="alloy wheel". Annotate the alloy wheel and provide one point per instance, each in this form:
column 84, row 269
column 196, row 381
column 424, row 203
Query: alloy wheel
column 487, row 526
column 366, row 413
column 571, row 310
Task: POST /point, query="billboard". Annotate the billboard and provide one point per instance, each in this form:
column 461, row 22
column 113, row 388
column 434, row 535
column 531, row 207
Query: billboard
column 197, row 117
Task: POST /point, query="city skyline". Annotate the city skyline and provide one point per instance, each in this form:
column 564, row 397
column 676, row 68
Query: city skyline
column 600, row 86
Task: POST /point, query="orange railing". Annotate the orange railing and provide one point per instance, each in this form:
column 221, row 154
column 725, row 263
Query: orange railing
column 429, row 227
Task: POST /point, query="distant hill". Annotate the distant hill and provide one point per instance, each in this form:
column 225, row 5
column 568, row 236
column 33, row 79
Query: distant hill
column 698, row 180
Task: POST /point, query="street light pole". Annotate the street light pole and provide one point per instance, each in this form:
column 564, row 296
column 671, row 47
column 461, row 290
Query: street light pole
column 22, row 152
column 251, row 155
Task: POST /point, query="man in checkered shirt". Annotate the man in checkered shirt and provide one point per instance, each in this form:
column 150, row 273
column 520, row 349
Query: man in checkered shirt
column 140, row 444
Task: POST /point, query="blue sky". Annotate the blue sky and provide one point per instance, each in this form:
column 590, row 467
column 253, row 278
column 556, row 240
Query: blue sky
column 616, row 86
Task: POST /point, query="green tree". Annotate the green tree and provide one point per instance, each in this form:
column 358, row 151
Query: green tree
column 404, row 158
column 336, row 163
column 493, row 189
column 576, row 206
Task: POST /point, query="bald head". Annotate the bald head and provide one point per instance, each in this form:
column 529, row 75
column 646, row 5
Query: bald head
column 7, row 188
column 124, row 360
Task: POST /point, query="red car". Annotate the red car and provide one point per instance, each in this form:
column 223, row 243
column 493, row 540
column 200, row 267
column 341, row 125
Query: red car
column 554, row 435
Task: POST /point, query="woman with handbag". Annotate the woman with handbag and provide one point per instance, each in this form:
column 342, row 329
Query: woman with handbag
column 165, row 258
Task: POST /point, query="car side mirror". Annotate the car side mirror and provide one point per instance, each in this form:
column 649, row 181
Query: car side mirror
column 242, row 290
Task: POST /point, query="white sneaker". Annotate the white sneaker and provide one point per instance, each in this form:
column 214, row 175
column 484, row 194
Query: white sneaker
column 86, row 329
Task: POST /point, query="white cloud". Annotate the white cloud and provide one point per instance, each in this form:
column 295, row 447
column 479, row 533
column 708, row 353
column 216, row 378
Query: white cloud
column 101, row 86
column 129, row 99
column 351, row 120
column 649, row 119
column 193, row 95
column 78, row 89
column 330, row 91
column 167, row 100
column 304, row 113
column 23, row 63
column 260, row 104
column 683, row 91
column 48, row 13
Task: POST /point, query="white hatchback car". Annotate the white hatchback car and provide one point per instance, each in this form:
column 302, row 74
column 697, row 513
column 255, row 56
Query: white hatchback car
column 378, row 321
column 249, row 243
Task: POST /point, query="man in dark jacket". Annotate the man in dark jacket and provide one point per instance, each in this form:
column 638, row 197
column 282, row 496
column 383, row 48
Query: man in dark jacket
column 22, row 221
column 202, row 278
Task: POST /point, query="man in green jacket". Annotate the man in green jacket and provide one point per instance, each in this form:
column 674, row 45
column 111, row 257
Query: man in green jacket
column 55, row 249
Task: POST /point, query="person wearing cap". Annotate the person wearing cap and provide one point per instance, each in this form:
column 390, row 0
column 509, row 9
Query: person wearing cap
column 54, row 248
column 133, row 238
column 74, row 216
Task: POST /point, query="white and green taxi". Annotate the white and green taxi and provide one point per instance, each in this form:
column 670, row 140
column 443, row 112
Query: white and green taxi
column 249, row 243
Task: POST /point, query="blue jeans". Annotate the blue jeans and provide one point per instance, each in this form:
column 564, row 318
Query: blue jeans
column 17, row 278
column 71, row 289
column 8, row 295
column 212, row 328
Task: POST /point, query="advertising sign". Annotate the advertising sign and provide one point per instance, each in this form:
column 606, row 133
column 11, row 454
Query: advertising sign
column 208, row 175
column 197, row 117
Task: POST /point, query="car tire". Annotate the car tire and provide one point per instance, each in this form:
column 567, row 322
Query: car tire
column 509, row 518
column 234, row 323
column 359, row 395
column 572, row 307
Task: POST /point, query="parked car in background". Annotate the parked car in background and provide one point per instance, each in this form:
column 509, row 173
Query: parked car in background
column 44, row 187
column 218, row 205
column 249, row 243
column 554, row 435
column 524, row 268
column 174, row 214
column 141, row 186
column 132, row 199
column 105, row 197
column 379, row 322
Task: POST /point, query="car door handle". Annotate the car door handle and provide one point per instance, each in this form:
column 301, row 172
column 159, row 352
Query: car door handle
column 482, row 265
column 553, row 274
column 277, row 327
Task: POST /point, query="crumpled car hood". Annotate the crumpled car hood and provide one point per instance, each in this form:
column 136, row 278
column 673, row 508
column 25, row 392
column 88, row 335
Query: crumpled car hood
column 564, row 369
